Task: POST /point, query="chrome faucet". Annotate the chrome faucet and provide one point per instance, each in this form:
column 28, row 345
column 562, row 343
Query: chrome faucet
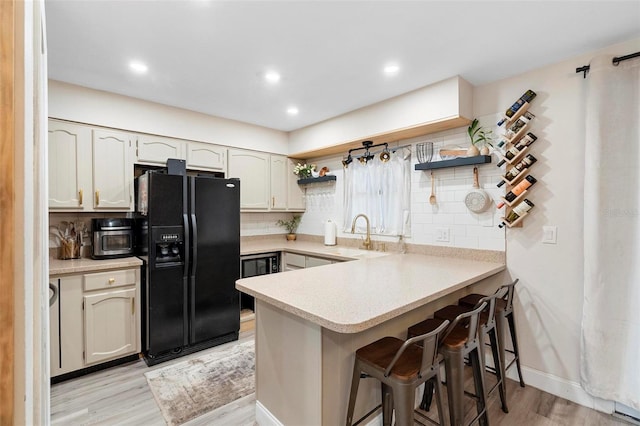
column 367, row 241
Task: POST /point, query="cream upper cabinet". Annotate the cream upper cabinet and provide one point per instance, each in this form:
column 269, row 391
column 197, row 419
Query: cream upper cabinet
column 279, row 189
column 70, row 180
column 204, row 156
column 252, row 168
column 157, row 149
column 295, row 192
column 112, row 171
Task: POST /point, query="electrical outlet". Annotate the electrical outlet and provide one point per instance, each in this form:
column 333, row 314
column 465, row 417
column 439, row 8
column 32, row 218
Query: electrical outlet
column 442, row 235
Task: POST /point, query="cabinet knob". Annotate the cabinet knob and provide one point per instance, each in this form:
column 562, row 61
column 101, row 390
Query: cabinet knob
column 112, row 280
column 80, row 193
column 97, row 198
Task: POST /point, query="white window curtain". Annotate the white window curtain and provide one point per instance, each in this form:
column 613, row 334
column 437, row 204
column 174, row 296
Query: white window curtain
column 381, row 191
column 610, row 346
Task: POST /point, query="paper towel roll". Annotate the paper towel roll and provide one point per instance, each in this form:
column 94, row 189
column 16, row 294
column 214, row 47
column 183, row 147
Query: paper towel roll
column 329, row 233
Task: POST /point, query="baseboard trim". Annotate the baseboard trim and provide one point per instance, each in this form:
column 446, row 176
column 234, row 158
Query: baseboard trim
column 562, row 388
column 264, row 416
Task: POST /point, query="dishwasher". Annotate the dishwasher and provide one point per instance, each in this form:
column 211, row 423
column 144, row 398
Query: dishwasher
column 255, row 265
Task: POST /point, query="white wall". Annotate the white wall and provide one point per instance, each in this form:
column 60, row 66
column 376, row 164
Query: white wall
column 446, row 99
column 550, row 292
column 84, row 105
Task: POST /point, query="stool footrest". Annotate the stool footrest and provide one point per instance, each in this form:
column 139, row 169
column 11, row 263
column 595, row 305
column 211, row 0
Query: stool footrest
column 361, row 419
column 425, row 418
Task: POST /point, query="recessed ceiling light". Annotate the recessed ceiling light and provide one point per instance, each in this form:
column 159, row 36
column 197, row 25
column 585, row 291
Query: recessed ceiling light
column 138, row 67
column 391, row 69
column 292, row 111
column 272, row 77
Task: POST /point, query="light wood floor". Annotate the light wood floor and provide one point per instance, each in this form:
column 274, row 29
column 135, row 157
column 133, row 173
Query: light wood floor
column 121, row 396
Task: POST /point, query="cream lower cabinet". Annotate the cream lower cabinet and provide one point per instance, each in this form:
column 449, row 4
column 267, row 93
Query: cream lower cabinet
column 66, row 326
column 99, row 319
column 293, row 261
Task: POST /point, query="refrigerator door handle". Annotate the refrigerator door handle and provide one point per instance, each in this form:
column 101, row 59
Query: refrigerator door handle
column 185, row 221
column 194, row 236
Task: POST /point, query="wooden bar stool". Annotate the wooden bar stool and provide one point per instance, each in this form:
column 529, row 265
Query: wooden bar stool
column 401, row 366
column 504, row 309
column 489, row 330
column 462, row 338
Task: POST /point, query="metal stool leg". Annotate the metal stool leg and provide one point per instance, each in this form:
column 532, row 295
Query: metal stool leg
column 496, row 350
column 387, row 404
column 454, row 367
column 439, row 403
column 514, row 341
column 427, row 395
column 478, row 379
column 403, row 403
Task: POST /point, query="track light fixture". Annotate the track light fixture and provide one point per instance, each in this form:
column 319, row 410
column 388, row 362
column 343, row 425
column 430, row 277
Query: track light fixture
column 385, row 155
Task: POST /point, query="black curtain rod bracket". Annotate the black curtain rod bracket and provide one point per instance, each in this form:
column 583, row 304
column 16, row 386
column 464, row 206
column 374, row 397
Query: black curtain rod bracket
column 615, row 61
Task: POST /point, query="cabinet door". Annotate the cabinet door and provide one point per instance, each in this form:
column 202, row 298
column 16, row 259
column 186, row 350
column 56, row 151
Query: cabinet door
column 204, row 156
column 110, row 325
column 156, row 149
column 54, row 328
column 112, row 171
column 69, row 339
column 279, row 191
column 316, row 261
column 69, row 166
column 252, row 168
column 295, row 192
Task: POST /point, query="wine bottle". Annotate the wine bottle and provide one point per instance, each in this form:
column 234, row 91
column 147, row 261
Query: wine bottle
column 517, row 190
column 519, row 124
column 524, row 142
column 527, row 97
column 527, row 161
column 520, row 188
column 517, row 211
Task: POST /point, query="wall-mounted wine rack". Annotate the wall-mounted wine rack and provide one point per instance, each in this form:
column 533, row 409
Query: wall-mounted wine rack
column 517, row 144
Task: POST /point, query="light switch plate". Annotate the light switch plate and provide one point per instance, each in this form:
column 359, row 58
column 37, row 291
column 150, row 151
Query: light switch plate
column 442, row 235
column 549, row 235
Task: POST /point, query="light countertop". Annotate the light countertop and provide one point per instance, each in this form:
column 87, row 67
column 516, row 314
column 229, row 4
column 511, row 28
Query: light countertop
column 350, row 297
column 73, row 266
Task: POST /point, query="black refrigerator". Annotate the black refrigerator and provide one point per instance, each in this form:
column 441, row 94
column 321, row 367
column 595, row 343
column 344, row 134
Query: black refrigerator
column 192, row 227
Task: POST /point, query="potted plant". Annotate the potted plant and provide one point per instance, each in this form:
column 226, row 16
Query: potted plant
column 478, row 136
column 303, row 171
column 290, row 225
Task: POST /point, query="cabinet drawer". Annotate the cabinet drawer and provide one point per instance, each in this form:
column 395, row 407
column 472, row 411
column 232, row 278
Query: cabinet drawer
column 292, row 259
column 102, row 280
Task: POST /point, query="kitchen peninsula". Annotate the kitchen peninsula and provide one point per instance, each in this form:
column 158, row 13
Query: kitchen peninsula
column 310, row 322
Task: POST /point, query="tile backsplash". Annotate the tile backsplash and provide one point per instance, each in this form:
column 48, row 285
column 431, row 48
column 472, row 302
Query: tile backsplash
column 464, row 228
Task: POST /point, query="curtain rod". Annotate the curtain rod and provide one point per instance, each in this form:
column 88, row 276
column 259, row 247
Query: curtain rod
column 615, row 61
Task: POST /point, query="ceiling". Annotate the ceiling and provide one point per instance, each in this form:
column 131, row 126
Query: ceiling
column 211, row 56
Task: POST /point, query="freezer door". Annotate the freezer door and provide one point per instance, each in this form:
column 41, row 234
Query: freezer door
column 215, row 224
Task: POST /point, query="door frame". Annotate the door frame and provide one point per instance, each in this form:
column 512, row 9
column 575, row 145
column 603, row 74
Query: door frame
column 7, row 210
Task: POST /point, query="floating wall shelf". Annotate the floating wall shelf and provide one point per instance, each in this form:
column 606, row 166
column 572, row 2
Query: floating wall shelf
column 316, row 180
column 463, row 161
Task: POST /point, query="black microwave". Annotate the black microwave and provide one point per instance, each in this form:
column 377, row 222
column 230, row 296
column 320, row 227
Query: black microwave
column 112, row 238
